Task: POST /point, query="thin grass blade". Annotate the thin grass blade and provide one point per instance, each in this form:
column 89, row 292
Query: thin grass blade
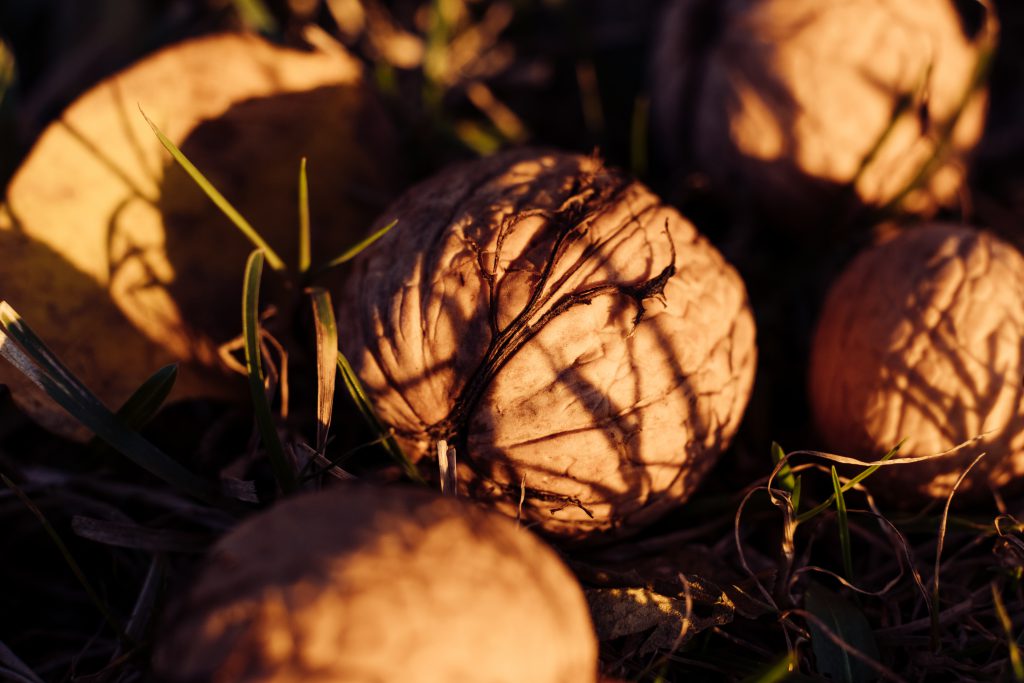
column 785, row 476
column 1016, row 663
column 357, row 248
column 254, row 369
column 69, row 559
column 776, row 672
column 362, row 401
column 326, row 362
column 861, row 476
column 844, row 525
column 217, row 198
column 255, row 15
column 144, row 403
column 304, row 229
column 11, row 666
column 20, row 345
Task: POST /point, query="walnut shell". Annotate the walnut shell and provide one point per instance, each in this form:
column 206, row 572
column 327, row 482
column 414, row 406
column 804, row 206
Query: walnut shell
column 783, row 100
column 922, row 337
column 360, row 584
column 577, row 340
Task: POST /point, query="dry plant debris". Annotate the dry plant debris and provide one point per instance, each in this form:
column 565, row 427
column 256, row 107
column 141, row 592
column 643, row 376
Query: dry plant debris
column 783, row 98
column 576, row 339
column 920, row 337
column 121, row 263
column 359, row 583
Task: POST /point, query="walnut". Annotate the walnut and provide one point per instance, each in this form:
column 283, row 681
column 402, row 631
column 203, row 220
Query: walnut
column 577, row 340
column 785, row 101
column 362, row 584
column 922, row 337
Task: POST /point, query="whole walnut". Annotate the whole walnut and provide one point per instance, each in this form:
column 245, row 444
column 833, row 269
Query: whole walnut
column 794, row 103
column 922, row 338
column 585, row 350
column 359, row 584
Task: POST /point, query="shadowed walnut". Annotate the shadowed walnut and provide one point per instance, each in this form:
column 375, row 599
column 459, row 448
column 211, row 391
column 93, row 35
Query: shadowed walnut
column 922, row 337
column 120, row 262
column 577, row 340
column 360, row 584
column 784, row 100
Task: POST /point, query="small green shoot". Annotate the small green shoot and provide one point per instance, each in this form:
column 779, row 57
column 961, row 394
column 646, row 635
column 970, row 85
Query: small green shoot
column 69, row 559
column 861, row 476
column 20, row 345
column 326, row 362
column 1016, row 663
column 786, row 478
column 357, row 248
column 304, row 229
column 362, row 401
column 844, row 526
column 217, row 198
column 254, row 367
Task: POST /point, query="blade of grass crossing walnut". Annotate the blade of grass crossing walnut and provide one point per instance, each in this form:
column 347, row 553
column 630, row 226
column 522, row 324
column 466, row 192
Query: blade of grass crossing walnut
column 844, row 525
column 362, row 401
column 255, row 15
column 1016, row 663
column 254, row 369
column 217, row 198
column 357, row 248
column 20, row 345
column 326, row 362
column 69, row 559
column 861, row 476
column 304, row 229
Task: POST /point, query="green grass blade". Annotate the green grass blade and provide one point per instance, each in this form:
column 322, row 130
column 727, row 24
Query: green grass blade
column 861, row 476
column 254, row 368
column 362, row 401
column 217, row 198
column 326, row 362
column 20, row 345
column 146, row 401
column 1016, row 663
column 69, row 559
column 844, row 526
column 255, row 15
column 304, row 230
column 785, row 476
column 357, row 249
column 776, row 672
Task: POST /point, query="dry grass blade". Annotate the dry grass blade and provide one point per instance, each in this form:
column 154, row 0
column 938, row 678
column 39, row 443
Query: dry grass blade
column 30, row 355
column 362, row 401
column 326, row 362
column 125, row 535
column 868, row 471
column 304, row 227
column 217, row 198
column 12, row 668
column 448, row 467
column 69, row 559
column 254, row 369
column 938, row 552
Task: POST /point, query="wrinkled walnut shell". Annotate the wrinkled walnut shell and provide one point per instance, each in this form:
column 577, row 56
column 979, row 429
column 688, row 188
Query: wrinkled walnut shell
column 597, row 367
column 922, row 337
column 360, row 585
column 782, row 101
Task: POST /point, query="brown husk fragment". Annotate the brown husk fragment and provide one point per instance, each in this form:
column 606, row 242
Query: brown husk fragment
column 581, row 345
column 116, row 258
column 921, row 338
column 366, row 584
